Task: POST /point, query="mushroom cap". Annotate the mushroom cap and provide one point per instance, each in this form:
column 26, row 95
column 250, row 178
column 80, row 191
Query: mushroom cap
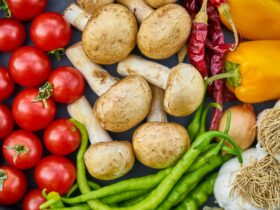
column 92, row 5
column 124, row 105
column 184, row 91
column 164, row 32
column 110, row 34
column 160, row 145
column 109, row 160
column 159, row 3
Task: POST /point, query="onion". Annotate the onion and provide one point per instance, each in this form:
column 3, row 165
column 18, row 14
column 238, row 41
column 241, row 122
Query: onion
column 243, row 125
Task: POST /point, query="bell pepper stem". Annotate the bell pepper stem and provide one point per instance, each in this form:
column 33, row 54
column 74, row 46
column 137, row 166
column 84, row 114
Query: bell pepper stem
column 234, row 69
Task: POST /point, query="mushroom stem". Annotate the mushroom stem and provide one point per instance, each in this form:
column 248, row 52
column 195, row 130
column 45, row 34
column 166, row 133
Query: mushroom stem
column 76, row 16
column 154, row 73
column 138, row 7
column 82, row 111
column 98, row 79
column 156, row 113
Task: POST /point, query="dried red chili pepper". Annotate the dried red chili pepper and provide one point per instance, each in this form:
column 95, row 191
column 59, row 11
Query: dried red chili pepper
column 217, row 50
column 191, row 6
column 224, row 9
column 197, row 40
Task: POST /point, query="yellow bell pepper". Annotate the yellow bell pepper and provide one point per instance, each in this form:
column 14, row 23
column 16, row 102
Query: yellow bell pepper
column 256, row 66
column 255, row 19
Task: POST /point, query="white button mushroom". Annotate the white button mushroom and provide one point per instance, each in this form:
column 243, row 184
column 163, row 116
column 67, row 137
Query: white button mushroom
column 159, row 3
column 122, row 104
column 109, row 35
column 105, row 159
column 93, row 5
column 157, row 143
column 184, row 86
column 162, row 32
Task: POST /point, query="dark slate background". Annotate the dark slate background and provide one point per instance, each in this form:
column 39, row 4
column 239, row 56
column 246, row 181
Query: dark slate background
column 139, row 169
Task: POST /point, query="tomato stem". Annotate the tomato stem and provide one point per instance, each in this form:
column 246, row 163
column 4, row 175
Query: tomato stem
column 58, row 53
column 3, row 177
column 4, row 6
column 44, row 93
column 19, row 149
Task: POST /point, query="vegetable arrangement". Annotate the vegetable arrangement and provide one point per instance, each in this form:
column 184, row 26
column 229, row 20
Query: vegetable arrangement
column 187, row 156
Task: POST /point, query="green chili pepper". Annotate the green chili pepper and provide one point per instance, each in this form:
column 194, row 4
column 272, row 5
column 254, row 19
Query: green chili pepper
column 199, row 195
column 93, row 186
column 189, row 182
column 113, row 199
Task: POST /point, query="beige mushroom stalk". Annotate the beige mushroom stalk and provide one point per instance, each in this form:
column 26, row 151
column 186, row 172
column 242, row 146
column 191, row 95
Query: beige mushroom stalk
column 122, row 104
column 162, row 32
column 105, row 159
column 92, row 6
column 157, row 143
column 109, row 35
column 184, row 86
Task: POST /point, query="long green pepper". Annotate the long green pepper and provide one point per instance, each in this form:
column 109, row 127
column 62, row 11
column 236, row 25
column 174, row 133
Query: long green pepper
column 199, row 195
column 189, row 182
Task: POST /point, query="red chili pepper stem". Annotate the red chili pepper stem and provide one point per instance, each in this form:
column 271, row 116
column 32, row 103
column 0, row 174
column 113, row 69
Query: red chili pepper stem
column 224, row 9
column 201, row 16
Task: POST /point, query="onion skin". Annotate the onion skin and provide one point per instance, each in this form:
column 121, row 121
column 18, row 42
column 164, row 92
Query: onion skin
column 243, row 125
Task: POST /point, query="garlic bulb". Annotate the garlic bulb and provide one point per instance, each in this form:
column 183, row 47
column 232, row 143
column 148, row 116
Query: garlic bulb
column 232, row 174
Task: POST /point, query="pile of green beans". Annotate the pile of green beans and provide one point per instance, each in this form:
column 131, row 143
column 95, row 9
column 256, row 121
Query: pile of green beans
column 170, row 187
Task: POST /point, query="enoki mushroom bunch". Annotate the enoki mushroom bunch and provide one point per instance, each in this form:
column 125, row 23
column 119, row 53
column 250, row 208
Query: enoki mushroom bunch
column 259, row 183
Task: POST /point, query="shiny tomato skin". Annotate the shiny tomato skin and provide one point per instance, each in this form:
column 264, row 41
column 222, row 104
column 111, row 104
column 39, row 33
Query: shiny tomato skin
column 12, row 34
column 29, row 66
column 50, row 31
column 68, row 84
column 14, row 186
column 32, row 116
column 55, row 173
column 30, row 142
column 61, row 137
column 26, row 9
column 7, row 85
column 6, row 122
column 33, row 200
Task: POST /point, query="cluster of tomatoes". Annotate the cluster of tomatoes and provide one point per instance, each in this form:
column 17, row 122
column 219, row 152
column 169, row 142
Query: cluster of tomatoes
column 34, row 106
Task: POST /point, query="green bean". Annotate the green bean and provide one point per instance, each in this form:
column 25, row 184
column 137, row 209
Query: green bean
column 141, row 183
column 199, row 195
column 93, row 186
column 113, row 199
column 162, row 190
column 188, row 182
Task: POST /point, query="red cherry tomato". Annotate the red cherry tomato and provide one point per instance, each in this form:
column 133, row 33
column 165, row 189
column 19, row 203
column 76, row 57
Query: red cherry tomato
column 6, row 122
column 22, row 149
column 12, row 35
column 49, row 31
column 33, row 200
column 7, row 85
column 68, row 84
column 59, row 134
column 55, row 173
column 31, row 115
column 29, row 66
column 13, row 185
column 26, row 9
